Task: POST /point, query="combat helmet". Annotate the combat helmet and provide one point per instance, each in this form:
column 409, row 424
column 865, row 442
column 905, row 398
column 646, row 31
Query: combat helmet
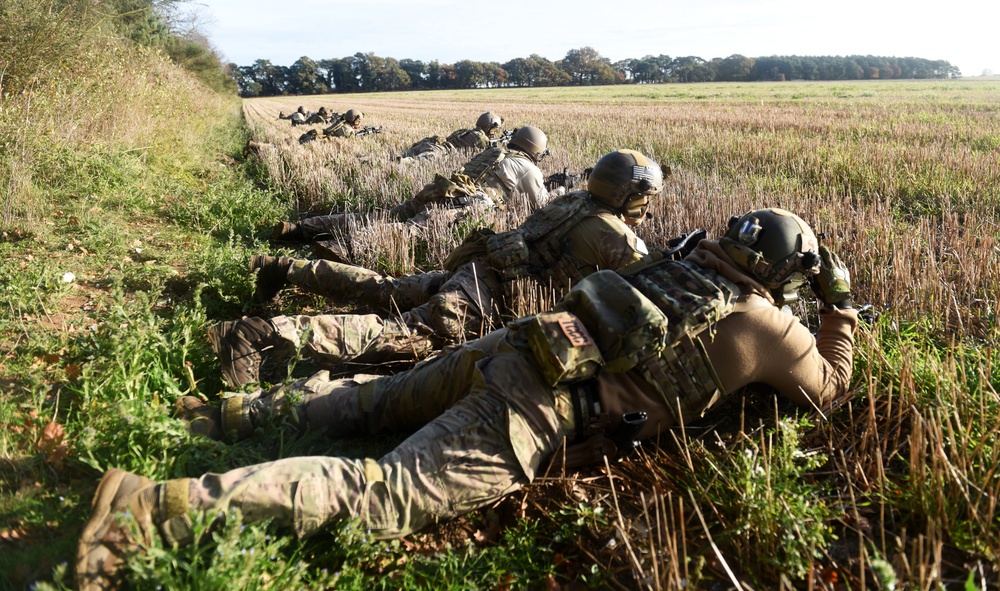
column 530, row 140
column 775, row 247
column 353, row 116
column 489, row 123
column 624, row 180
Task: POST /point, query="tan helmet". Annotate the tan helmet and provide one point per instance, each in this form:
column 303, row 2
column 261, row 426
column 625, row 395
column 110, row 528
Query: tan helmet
column 489, row 123
column 775, row 247
column 625, row 180
column 353, row 116
column 530, row 140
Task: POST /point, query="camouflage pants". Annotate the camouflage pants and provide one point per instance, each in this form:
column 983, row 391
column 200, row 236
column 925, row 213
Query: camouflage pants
column 462, row 309
column 425, row 150
column 345, row 283
column 504, row 424
column 335, row 225
column 397, row 403
column 345, row 225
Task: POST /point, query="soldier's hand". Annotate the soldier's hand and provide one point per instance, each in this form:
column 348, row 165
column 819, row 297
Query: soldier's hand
column 833, row 284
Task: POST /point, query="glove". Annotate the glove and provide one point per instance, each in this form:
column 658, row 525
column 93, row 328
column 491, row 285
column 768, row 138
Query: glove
column 833, row 284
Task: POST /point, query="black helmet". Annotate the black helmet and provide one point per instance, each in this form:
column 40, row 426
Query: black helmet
column 625, row 180
column 530, row 140
column 775, row 247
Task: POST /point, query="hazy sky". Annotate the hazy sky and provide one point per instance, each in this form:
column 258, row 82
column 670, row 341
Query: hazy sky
column 963, row 32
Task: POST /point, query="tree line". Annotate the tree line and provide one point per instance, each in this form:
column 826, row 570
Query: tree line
column 367, row 72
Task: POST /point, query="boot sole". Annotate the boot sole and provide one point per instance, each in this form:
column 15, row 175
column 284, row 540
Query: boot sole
column 101, row 507
column 262, row 294
column 216, row 336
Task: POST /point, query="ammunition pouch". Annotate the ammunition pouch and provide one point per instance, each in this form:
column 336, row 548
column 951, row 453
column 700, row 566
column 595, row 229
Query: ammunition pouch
column 474, row 246
column 563, row 349
column 508, row 253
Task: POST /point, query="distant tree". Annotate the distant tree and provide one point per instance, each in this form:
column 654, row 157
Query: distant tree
column 548, row 73
column 246, row 84
column 652, row 69
column 626, row 69
column 327, row 69
column 433, row 79
column 364, row 66
column 342, row 73
column 494, row 74
column 520, row 72
column 448, row 76
column 534, row 70
column 469, row 74
column 271, row 78
column 417, row 72
column 853, row 70
column 387, row 75
column 771, row 68
column 735, row 68
column 305, row 77
column 366, row 72
column 691, row 69
column 585, row 66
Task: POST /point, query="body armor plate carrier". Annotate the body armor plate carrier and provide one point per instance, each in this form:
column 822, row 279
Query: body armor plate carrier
column 537, row 247
column 647, row 317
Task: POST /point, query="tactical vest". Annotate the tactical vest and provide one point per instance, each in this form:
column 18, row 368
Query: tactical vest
column 338, row 129
column 693, row 300
column 483, row 163
column 468, row 138
column 538, row 247
column 643, row 319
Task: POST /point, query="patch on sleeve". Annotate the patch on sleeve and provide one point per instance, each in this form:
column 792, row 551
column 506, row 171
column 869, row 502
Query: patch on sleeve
column 575, row 332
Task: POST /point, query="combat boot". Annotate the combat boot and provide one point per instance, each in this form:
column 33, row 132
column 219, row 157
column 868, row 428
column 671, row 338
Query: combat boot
column 215, row 422
column 200, row 418
column 108, row 536
column 272, row 275
column 287, row 232
column 334, row 250
column 245, row 346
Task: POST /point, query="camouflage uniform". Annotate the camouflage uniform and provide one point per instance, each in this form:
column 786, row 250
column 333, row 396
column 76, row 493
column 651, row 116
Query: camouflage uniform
column 340, row 128
column 435, row 146
column 669, row 338
column 561, row 243
column 491, row 178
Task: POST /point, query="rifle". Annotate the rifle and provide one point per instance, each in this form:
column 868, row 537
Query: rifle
column 367, row 131
column 681, row 246
column 565, row 179
column 503, row 138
